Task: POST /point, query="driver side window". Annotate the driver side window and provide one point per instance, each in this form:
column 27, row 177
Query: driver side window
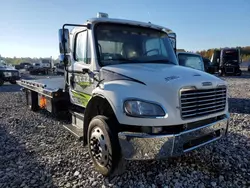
column 155, row 47
column 82, row 48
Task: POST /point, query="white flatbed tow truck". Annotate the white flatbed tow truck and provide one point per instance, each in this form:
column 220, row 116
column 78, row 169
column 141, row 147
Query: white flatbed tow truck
column 128, row 96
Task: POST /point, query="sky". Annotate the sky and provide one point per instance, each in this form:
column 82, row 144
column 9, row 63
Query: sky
column 29, row 28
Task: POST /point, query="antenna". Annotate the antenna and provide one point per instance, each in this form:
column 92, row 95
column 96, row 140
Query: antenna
column 149, row 17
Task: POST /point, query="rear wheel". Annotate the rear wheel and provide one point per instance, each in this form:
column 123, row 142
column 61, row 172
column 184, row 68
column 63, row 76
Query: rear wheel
column 32, row 100
column 104, row 146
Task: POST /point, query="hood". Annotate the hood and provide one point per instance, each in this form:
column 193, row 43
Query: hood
column 162, row 82
column 165, row 74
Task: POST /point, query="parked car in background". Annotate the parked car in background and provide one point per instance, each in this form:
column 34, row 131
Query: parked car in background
column 23, row 65
column 27, row 66
column 39, row 68
column 191, row 60
column 8, row 74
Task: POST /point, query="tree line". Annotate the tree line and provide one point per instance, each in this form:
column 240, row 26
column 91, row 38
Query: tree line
column 244, row 51
column 17, row 60
column 245, row 55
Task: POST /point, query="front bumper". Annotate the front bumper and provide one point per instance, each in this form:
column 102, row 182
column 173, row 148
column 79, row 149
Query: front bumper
column 141, row 146
column 230, row 69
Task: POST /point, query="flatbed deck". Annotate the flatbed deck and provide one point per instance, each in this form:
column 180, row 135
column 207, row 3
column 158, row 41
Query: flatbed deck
column 45, row 86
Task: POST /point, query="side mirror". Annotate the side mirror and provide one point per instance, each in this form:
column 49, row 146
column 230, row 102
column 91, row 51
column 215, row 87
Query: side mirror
column 64, row 45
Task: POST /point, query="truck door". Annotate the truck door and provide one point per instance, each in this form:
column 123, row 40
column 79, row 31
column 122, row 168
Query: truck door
column 81, row 84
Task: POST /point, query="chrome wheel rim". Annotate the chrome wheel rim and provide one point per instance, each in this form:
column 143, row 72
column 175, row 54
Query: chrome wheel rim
column 98, row 146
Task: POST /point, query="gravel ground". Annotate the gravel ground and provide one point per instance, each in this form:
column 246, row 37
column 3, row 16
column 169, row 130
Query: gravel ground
column 35, row 151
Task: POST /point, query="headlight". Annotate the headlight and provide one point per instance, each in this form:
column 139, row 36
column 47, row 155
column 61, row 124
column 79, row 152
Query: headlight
column 142, row 108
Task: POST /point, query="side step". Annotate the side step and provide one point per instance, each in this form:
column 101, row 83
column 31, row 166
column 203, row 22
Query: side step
column 74, row 130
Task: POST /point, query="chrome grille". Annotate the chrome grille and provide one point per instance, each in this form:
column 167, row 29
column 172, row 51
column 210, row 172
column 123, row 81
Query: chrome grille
column 201, row 102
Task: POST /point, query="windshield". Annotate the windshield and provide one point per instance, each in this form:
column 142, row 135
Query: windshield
column 231, row 55
column 119, row 43
column 191, row 60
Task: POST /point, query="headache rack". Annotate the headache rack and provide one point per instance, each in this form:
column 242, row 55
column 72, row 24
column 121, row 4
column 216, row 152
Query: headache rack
column 201, row 102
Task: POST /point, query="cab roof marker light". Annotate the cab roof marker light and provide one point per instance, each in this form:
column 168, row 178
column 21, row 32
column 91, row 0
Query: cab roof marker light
column 102, row 15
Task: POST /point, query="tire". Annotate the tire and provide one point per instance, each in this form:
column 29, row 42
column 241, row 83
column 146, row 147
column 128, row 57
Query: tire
column 1, row 81
column 32, row 100
column 101, row 135
column 13, row 82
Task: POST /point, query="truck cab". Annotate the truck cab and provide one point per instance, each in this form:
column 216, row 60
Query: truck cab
column 228, row 61
column 184, row 58
column 128, row 96
column 40, row 67
column 191, row 60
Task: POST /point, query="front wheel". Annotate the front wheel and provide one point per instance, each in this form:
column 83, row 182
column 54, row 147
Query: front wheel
column 104, row 146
